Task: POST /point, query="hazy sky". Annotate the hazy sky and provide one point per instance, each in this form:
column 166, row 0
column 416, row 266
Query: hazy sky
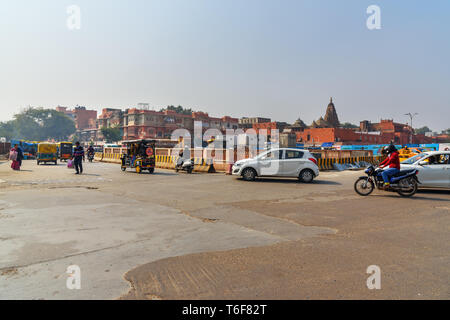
column 277, row 58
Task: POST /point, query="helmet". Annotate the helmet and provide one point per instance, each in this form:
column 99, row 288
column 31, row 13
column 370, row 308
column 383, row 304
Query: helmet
column 391, row 148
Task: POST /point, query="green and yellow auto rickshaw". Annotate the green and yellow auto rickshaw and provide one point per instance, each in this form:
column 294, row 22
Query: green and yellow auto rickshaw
column 47, row 152
column 140, row 155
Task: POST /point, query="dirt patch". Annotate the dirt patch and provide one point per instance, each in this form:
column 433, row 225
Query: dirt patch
column 9, row 271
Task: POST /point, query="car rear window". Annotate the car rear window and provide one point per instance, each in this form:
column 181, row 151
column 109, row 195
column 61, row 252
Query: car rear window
column 291, row 154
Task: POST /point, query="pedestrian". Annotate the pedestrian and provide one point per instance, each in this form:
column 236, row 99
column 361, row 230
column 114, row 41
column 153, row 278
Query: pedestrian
column 19, row 154
column 78, row 157
column 13, row 157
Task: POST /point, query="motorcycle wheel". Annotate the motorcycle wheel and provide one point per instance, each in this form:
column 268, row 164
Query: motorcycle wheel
column 363, row 186
column 411, row 192
column 189, row 170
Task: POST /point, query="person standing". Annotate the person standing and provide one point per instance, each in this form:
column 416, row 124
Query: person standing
column 78, row 157
column 13, row 158
column 19, row 154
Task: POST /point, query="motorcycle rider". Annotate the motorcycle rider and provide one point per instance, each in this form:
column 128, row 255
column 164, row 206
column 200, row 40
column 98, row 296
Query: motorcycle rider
column 392, row 161
column 183, row 155
column 90, row 151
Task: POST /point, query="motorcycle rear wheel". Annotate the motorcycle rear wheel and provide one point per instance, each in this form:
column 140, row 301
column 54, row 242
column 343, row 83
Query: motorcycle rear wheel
column 363, row 186
column 411, row 192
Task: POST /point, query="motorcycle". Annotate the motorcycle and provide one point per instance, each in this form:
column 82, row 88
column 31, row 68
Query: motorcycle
column 185, row 165
column 405, row 183
column 90, row 156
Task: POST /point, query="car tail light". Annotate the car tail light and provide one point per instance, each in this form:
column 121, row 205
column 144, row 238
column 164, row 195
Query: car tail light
column 313, row 160
column 417, row 172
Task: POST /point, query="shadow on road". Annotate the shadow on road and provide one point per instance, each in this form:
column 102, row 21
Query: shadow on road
column 294, row 181
column 415, row 197
column 433, row 191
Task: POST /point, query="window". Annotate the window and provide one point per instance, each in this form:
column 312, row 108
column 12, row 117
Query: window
column 291, row 154
column 438, row 159
column 272, row 155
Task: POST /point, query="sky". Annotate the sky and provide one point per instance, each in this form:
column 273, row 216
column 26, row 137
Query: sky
column 281, row 59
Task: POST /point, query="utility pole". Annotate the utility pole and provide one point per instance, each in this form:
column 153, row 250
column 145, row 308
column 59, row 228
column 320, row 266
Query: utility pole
column 411, row 116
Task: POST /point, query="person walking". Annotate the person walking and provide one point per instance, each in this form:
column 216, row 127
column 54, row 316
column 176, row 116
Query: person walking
column 13, row 154
column 19, row 155
column 78, row 158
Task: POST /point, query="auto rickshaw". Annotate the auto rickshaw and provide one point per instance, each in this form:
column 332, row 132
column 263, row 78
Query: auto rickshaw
column 47, row 152
column 140, row 155
column 406, row 153
column 65, row 150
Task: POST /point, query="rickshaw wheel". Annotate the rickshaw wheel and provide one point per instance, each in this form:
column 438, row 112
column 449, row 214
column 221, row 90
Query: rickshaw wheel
column 123, row 168
column 138, row 169
column 151, row 170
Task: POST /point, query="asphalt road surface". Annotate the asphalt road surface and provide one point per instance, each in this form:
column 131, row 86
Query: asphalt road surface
column 212, row 236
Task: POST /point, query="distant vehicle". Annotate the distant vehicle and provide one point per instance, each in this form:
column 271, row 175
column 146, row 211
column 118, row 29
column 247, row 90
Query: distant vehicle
column 47, row 152
column 282, row 162
column 433, row 168
column 140, row 155
column 184, row 165
column 65, row 150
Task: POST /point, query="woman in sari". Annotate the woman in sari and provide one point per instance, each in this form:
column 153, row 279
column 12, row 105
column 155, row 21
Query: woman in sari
column 13, row 156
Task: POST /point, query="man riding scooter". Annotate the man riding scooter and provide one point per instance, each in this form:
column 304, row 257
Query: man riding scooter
column 90, row 153
column 393, row 162
column 184, row 161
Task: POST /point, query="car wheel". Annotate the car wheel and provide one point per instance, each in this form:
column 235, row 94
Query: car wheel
column 249, row 174
column 306, row 176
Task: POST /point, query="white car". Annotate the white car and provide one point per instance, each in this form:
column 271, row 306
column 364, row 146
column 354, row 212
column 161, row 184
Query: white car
column 284, row 162
column 433, row 167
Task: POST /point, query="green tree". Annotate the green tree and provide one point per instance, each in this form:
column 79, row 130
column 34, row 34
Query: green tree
column 42, row 124
column 349, row 125
column 7, row 130
column 178, row 109
column 422, row 130
column 111, row 134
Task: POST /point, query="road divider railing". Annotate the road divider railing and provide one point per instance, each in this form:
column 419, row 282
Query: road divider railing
column 200, row 164
column 208, row 165
column 111, row 157
column 98, row 156
column 330, row 163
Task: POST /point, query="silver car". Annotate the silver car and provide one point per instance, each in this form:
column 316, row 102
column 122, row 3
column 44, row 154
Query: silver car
column 433, row 167
column 283, row 162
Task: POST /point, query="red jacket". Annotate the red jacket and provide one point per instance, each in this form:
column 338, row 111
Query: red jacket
column 393, row 161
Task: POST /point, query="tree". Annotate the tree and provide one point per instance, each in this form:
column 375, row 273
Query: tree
column 422, row 130
column 7, row 130
column 349, row 125
column 111, row 134
column 39, row 124
column 446, row 131
column 178, row 109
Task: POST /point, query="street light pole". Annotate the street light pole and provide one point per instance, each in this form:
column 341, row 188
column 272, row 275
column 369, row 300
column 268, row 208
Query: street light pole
column 411, row 116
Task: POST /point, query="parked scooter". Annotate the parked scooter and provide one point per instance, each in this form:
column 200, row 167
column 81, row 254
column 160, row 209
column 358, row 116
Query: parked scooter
column 185, row 165
column 405, row 182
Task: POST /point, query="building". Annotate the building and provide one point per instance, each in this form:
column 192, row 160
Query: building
column 246, row 123
column 84, row 119
column 269, row 126
column 140, row 123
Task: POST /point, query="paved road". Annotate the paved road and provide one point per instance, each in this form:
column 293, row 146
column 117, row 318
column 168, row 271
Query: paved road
column 174, row 236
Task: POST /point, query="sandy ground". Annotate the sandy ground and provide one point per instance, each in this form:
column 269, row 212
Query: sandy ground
column 212, row 236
